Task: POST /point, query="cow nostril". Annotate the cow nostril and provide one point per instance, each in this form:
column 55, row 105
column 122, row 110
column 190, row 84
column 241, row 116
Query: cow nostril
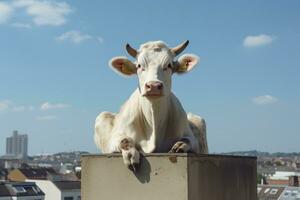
column 160, row 86
column 153, row 86
column 148, row 86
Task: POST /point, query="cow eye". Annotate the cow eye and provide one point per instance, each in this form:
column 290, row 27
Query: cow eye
column 140, row 67
column 168, row 67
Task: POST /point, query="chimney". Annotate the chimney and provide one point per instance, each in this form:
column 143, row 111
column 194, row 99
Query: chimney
column 294, row 181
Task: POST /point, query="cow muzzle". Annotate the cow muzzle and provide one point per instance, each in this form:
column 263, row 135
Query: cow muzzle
column 153, row 89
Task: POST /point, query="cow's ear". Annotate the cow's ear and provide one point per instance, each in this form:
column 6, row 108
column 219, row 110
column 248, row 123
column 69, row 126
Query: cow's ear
column 186, row 63
column 123, row 66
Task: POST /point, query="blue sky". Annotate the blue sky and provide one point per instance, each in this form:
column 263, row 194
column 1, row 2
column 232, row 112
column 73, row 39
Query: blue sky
column 54, row 76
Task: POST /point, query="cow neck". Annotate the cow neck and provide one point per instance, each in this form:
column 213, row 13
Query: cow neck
column 155, row 113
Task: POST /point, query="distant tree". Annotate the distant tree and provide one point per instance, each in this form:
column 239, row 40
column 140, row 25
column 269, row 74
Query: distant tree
column 25, row 165
column 278, row 163
column 261, row 177
column 78, row 174
column 269, row 163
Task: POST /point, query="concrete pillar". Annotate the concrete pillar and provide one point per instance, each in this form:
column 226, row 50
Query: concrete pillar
column 169, row 177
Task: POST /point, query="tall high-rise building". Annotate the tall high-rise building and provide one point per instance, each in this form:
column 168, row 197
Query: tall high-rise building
column 17, row 145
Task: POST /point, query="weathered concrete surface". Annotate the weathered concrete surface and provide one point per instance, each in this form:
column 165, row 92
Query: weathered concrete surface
column 169, row 176
column 222, row 177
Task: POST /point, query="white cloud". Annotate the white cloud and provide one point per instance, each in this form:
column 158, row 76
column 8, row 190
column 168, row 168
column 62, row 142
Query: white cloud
column 265, row 99
column 7, row 105
column 77, row 37
column 21, row 25
column 48, row 106
column 74, row 37
column 100, row 39
column 22, row 108
column 5, row 12
column 45, row 12
column 258, row 40
column 4, row 105
column 23, row 3
column 46, row 118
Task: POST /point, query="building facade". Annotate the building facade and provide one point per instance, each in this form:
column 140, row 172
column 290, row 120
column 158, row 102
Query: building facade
column 278, row 192
column 17, row 146
column 291, row 178
column 59, row 190
column 20, row 191
column 55, row 186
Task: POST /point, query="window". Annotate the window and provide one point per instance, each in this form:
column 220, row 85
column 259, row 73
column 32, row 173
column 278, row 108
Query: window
column 79, row 198
column 267, row 190
column 259, row 189
column 274, row 191
column 68, row 198
column 294, row 193
column 19, row 189
column 287, row 193
column 35, row 189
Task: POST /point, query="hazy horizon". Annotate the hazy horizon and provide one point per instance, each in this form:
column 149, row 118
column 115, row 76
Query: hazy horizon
column 55, row 77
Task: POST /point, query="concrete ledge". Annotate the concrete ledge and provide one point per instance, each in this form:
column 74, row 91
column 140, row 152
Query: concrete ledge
column 169, row 176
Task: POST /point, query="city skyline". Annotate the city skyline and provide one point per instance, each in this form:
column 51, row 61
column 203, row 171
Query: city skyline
column 55, row 77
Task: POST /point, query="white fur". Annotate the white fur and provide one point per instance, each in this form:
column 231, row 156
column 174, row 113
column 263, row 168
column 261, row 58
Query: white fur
column 153, row 124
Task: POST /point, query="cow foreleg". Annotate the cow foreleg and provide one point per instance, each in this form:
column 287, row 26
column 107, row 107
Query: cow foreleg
column 131, row 155
column 182, row 146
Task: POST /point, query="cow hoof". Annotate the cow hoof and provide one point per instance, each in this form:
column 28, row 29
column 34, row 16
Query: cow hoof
column 180, row 147
column 131, row 159
column 134, row 167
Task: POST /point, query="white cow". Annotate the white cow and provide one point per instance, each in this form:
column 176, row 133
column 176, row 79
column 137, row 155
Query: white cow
column 152, row 119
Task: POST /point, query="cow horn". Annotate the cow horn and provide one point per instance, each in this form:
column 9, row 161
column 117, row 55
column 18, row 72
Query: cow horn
column 177, row 50
column 131, row 50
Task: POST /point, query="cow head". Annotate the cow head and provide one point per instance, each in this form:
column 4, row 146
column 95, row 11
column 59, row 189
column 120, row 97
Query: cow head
column 154, row 65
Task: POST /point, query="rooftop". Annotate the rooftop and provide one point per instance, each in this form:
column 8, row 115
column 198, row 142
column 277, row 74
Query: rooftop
column 4, row 191
column 67, row 185
column 37, row 173
column 20, row 189
column 269, row 192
